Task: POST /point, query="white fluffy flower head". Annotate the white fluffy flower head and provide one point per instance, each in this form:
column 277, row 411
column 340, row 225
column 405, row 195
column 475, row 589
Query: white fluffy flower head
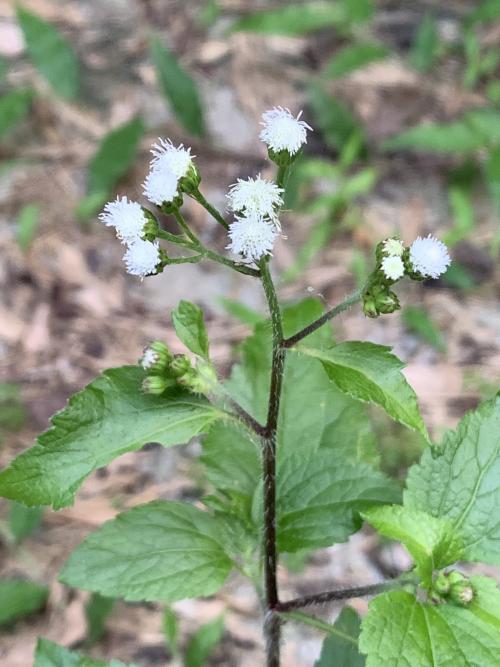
column 127, row 217
column 393, row 267
column 252, row 236
column 160, row 185
column 255, row 196
column 149, row 358
column 142, row 258
column 282, row 131
column 166, row 155
column 393, row 247
column 429, row 256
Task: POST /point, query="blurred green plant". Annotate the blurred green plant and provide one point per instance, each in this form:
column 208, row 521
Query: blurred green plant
column 50, row 53
column 14, row 106
column 179, row 88
column 19, row 598
column 23, row 521
column 27, row 225
column 416, row 319
column 97, row 612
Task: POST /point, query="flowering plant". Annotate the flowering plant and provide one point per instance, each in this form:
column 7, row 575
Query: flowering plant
column 284, row 444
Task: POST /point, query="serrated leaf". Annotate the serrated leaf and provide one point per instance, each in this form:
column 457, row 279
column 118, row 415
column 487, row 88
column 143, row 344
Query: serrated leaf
column 14, row 106
column 370, row 372
column 461, row 482
column 49, row 654
column 432, row 542
column 27, row 224
column 51, row 53
column 23, row 520
column 399, row 631
column 159, row 551
column 179, row 88
column 110, row 417
column 114, row 157
column 203, row 642
column 19, row 598
column 319, row 500
column 425, row 47
column 353, row 57
column 295, row 19
column 190, row 327
column 341, row 647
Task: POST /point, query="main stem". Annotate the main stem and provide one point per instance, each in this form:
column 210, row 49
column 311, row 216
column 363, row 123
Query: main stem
column 272, row 620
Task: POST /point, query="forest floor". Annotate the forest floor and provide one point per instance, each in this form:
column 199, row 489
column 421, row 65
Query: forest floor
column 68, row 310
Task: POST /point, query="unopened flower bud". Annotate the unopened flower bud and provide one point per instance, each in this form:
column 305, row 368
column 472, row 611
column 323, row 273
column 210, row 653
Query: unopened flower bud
column 388, row 303
column 441, row 584
column 180, row 365
column 462, row 593
column 369, row 307
column 156, row 384
column 191, row 181
column 200, row 380
column 156, row 357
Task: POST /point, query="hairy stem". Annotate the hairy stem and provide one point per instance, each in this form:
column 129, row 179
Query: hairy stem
column 272, row 621
column 329, row 315
column 211, row 209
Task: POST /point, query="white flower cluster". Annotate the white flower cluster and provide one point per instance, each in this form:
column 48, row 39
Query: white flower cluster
column 169, row 164
column 256, row 201
column 428, row 257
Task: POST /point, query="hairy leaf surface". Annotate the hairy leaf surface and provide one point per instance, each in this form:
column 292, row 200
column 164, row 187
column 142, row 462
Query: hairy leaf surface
column 399, row 631
column 371, row 373
column 462, row 482
column 432, row 542
column 319, row 499
column 158, row 551
column 109, row 417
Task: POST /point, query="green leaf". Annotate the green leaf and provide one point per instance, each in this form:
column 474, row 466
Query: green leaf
column 489, row 10
column 114, row 157
column 319, row 500
column 432, row 542
column 97, row 611
column 399, row 631
column 459, row 277
column 341, row 647
column 463, row 214
column 486, row 123
column 461, row 482
column 190, row 328
column 14, row 106
column 231, row 459
column 27, row 224
column 159, row 551
column 23, row 521
column 90, row 205
column 50, row 53
column 492, row 172
column 336, row 123
column 369, row 372
column 49, row 654
column 179, row 88
column 294, row 19
column 19, row 598
column 3, row 68
column 457, row 137
column 353, row 57
column 425, row 48
column 416, row 319
column 110, row 417
column 203, row 642
column 348, row 434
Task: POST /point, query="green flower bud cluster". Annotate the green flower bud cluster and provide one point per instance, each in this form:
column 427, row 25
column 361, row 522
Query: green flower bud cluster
column 378, row 298
column 165, row 371
column 191, row 181
column 453, row 586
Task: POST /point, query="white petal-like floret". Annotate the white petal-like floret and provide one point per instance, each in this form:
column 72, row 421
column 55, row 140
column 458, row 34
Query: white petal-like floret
column 149, row 358
column 177, row 160
column 282, row 131
column 393, row 267
column 127, row 217
column 393, row 247
column 252, row 237
column 142, row 258
column 429, row 257
column 160, row 185
column 255, row 196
